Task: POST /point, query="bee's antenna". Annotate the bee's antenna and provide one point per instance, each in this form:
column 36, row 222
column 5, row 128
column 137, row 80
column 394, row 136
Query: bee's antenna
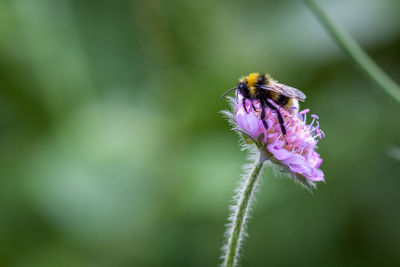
column 228, row 92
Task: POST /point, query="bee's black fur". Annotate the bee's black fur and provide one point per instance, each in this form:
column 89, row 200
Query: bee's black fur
column 282, row 100
column 262, row 80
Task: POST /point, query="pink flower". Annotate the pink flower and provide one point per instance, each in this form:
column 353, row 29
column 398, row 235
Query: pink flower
column 295, row 151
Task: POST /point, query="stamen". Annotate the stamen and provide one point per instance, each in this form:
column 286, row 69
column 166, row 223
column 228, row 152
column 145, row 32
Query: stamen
column 301, row 152
column 315, row 128
column 299, row 148
column 305, row 118
column 309, row 126
column 304, row 111
column 319, row 134
column 315, row 116
column 277, row 139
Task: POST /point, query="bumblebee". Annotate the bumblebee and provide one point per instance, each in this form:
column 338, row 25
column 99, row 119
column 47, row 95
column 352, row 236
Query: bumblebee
column 269, row 92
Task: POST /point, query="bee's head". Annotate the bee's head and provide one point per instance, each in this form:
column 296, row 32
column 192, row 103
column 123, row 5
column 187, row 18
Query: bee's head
column 242, row 87
column 249, row 84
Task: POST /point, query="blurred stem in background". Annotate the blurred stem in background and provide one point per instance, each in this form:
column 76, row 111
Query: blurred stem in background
column 356, row 53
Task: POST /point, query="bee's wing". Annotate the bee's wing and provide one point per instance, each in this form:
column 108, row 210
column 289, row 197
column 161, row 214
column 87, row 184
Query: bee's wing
column 285, row 90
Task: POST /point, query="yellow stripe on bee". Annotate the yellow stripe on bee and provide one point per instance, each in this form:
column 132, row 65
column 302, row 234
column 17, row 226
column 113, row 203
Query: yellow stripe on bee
column 289, row 103
column 252, row 90
column 252, row 79
column 274, row 95
column 251, row 82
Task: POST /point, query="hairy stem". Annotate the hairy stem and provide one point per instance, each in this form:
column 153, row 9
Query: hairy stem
column 240, row 214
column 356, row 53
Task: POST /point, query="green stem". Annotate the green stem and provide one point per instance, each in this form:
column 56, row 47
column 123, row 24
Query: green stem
column 240, row 215
column 356, row 53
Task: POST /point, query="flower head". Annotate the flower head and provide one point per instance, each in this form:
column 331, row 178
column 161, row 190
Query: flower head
column 295, row 151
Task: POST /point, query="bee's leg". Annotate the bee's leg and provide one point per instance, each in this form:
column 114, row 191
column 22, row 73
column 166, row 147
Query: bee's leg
column 244, row 104
column 263, row 115
column 280, row 119
column 252, row 105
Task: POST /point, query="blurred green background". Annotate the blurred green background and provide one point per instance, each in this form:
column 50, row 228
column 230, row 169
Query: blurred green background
column 113, row 151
